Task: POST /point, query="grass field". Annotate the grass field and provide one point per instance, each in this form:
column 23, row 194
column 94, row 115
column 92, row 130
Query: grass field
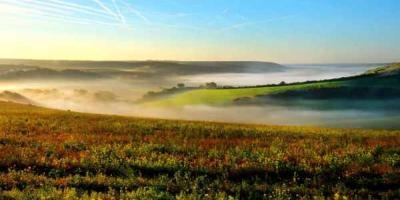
column 227, row 96
column 50, row 154
column 371, row 80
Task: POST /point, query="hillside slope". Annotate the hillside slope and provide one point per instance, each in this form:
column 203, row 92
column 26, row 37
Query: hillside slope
column 14, row 97
column 58, row 154
column 385, row 70
column 383, row 83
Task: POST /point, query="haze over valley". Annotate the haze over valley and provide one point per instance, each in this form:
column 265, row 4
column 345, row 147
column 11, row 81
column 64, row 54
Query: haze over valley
column 119, row 87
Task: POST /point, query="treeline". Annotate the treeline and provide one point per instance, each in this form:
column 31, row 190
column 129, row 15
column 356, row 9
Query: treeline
column 180, row 87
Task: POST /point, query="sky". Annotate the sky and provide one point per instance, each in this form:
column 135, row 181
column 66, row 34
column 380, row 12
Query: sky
column 284, row 31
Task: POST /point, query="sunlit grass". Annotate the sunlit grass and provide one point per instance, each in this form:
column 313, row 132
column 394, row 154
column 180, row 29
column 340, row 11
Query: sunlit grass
column 60, row 154
column 227, row 96
column 381, row 79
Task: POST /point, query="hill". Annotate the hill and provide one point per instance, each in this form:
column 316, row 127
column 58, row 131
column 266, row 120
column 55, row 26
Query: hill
column 150, row 73
column 147, row 68
column 371, row 85
column 34, row 73
column 14, row 97
column 385, row 70
column 58, row 155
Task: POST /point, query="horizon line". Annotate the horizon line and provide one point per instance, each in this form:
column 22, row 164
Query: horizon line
column 171, row 60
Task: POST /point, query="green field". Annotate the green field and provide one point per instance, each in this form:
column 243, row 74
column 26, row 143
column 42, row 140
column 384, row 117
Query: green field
column 371, row 80
column 227, row 96
column 50, row 154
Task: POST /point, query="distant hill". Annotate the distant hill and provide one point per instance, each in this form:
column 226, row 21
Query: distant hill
column 14, row 97
column 379, row 83
column 368, row 86
column 151, row 72
column 155, row 67
column 29, row 72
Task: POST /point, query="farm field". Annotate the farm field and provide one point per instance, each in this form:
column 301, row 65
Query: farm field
column 53, row 154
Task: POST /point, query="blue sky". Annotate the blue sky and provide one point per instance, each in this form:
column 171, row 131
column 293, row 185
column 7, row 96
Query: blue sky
column 285, row 31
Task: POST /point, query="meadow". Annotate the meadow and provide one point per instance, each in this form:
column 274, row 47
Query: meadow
column 382, row 82
column 52, row 154
column 219, row 97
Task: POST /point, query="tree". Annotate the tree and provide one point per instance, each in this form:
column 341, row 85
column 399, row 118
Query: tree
column 211, row 85
column 181, row 85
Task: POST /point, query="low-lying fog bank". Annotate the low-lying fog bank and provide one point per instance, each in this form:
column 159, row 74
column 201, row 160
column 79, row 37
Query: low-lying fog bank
column 273, row 115
column 107, row 90
column 106, row 102
column 293, row 73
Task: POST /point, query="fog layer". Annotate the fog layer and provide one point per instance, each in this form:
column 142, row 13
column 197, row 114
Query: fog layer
column 114, row 90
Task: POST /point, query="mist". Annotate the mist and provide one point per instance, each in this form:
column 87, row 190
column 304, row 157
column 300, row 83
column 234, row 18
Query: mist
column 116, row 90
column 293, row 73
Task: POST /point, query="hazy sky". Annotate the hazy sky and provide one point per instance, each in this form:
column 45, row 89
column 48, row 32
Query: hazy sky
column 285, row 31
